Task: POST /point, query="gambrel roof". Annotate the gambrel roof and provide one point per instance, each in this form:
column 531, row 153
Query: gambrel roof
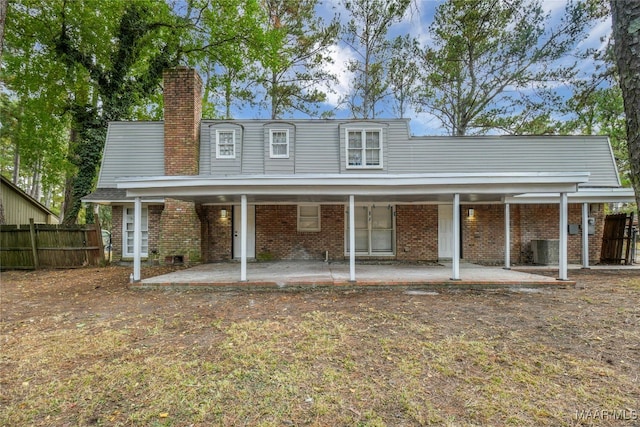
column 134, row 152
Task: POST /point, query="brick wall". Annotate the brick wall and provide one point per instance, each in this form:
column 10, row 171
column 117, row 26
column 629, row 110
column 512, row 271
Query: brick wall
column 483, row 235
column 277, row 235
column 181, row 233
column 116, row 232
column 216, row 233
column 417, row 232
column 182, row 113
column 155, row 212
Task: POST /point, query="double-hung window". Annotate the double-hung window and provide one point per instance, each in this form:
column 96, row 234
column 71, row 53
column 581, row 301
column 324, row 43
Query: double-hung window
column 279, row 143
column 364, row 148
column 308, row 217
column 225, row 144
column 127, row 225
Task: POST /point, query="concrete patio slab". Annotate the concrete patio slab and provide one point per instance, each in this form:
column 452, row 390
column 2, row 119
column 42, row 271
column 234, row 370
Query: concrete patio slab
column 292, row 274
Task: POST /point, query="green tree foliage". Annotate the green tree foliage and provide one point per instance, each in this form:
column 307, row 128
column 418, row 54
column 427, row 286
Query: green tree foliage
column 366, row 34
column 493, row 65
column 294, row 61
column 91, row 62
column 597, row 108
column 626, row 33
column 83, row 64
column 403, row 73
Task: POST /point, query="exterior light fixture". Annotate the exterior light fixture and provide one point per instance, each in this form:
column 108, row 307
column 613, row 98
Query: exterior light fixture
column 471, row 213
column 223, row 213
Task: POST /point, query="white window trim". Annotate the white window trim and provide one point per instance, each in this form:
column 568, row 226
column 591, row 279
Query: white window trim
column 318, row 215
column 364, row 147
column 278, row 156
column 233, row 133
column 145, row 212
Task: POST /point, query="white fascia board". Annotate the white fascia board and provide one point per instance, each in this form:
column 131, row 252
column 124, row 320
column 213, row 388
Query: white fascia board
column 583, row 195
column 354, row 184
column 351, row 179
column 153, row 201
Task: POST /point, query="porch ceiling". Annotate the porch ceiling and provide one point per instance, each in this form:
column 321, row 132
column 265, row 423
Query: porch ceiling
column 336, row 188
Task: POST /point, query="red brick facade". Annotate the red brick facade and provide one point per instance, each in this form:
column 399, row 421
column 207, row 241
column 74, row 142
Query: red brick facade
column 180, row 234
column 200, row 233
column 483, row 235
column 182, row 115
column 277, row 235
column 217, row 234
column 116, row 233
column 417, row 232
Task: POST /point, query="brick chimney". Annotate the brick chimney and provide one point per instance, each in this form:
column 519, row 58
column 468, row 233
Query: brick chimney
column 182, row 115
column 180, row 226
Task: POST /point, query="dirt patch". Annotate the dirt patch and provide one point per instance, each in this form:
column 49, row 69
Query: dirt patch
column 80, row 348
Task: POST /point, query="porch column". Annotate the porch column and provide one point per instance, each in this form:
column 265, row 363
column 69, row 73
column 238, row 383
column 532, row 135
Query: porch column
column 562, row 256
column 137, row 237
column 585, row 235
column 507, row 237
column 243, row 238
column 352, row 239
column 455, row 260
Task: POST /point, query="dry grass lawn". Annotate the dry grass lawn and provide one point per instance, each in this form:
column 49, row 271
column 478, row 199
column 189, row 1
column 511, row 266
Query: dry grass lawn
column 78, row 348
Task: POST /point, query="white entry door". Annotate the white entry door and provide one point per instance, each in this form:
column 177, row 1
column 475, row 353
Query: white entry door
column 445, row 231
column 251, row 231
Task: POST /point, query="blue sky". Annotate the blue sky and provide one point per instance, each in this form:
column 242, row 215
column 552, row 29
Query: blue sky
column 416, row 22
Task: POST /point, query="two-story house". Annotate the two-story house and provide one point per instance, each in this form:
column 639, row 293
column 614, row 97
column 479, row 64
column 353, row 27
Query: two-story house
column 210, row 190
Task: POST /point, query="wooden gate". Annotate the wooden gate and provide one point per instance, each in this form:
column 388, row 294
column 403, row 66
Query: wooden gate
column 617, row 239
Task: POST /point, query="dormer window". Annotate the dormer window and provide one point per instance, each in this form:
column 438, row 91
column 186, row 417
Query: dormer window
column 364, row 148
column 225, row 144
column 279, row 143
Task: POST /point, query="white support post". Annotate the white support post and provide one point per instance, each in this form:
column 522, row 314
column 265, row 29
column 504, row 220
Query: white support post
column 455, row 261
column 137, row 238
column 352, row 239
column 562, row 255
column 585, row 235
column 243, row 238
column 507, row 237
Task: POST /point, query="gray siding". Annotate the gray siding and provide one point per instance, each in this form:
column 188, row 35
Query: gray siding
column 132, row 149
column 279, row 166
column 209, row 164
column 318, row 146
column 356, row 126
column 507, row 154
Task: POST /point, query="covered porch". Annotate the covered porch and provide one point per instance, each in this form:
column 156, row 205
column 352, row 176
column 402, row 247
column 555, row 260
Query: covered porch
column 312, row 274
column 349, row 189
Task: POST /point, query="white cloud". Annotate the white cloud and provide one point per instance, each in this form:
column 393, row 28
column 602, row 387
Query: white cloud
column 341, row 55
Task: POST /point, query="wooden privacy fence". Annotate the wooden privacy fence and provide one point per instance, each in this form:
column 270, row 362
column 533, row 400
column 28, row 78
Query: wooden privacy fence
column 617, row 240
column 35, row 246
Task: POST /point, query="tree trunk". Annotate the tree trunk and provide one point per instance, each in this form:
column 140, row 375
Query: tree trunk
column 3, row 15
column 626, row 34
